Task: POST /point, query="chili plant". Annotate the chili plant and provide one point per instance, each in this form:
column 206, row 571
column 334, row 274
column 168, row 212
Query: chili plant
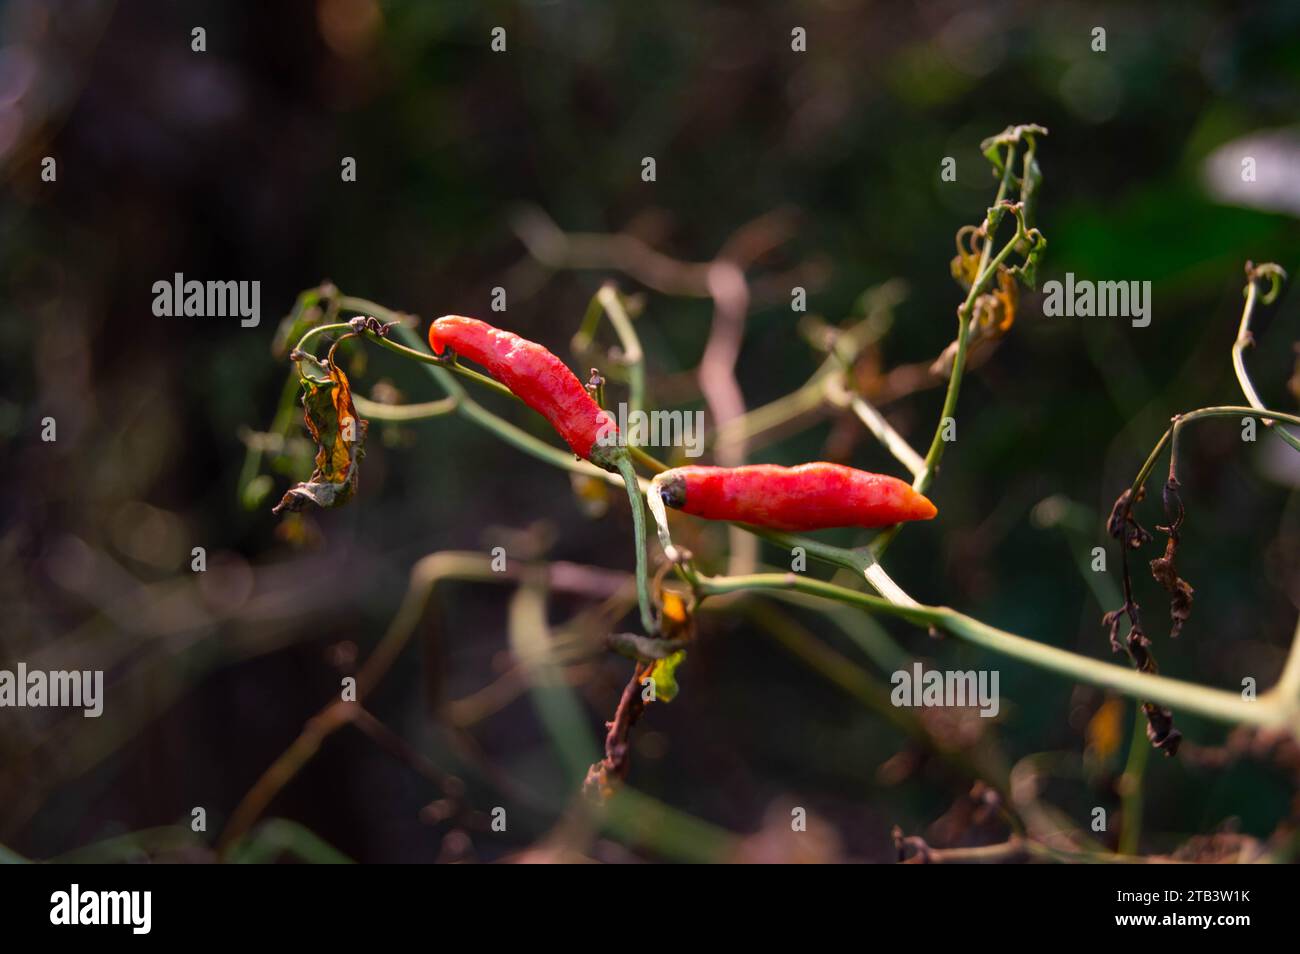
column 994, row 259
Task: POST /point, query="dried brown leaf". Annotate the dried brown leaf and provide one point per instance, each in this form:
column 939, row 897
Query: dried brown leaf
column 339, row 434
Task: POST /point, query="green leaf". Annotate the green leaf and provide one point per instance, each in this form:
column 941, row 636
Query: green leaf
column 664, row 674
column 1028, row 271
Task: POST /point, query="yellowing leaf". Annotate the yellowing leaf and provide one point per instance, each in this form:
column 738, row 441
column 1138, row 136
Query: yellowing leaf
column 340, row 436
column 674, row 606
column 1105, row 729
column 965, row 267
column 995, row 310
column 664, row 675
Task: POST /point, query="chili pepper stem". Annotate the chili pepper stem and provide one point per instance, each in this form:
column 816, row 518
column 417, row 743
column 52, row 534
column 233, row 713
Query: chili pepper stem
column 655, row 501
column 446, row 361
column 623, row 461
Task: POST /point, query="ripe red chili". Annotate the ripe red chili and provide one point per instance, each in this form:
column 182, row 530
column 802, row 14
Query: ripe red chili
column 807, row 497
column 534, row 374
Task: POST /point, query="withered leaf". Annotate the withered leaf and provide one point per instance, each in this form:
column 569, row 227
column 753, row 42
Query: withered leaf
column 1123, row 526
column 992, row 313
column 340, row 436
column 1111, row 622
column 1105, row 731
column 1011, row 135
column 1180, row 591
column 1160, row 729
column 1163, row 569
column 965, row 267
column 1139, row 650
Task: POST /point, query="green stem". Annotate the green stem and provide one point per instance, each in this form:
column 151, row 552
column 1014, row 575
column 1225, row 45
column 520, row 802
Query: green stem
column 490, row 383
column 937, row 444
column 1212, row 703
column 861, row 560
column 1149, row 464
column 424, row 357
column 1244, row 341
column 894, row 442
column 310, row 333
column 633, row 356
column 1139, row 752
column 452, row 364
column 984, row 275
column 1229, row 410
column 1170, row 436
column 624, row 464
column 377, row 411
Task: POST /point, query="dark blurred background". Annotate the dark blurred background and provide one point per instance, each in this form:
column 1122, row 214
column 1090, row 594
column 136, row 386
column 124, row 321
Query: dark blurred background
column 225, row 164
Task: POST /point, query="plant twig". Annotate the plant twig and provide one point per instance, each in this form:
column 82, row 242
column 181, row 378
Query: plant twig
column 1215, row 704
column 379, row 411
column 633, row 358
column 1254, row 275
column 984, row 276
column 1130, row 783
column 635, row 501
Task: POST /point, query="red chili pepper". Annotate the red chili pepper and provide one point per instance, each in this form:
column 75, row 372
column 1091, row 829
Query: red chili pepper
column 534, row 374
column 807, row 497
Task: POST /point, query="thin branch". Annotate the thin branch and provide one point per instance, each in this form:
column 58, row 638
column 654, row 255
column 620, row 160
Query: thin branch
column 379, row 411
column 1254, row 275
column 1130, row 786
column 875, row 422
column 1216, row 704
column 633, row 358
column 984, row 276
